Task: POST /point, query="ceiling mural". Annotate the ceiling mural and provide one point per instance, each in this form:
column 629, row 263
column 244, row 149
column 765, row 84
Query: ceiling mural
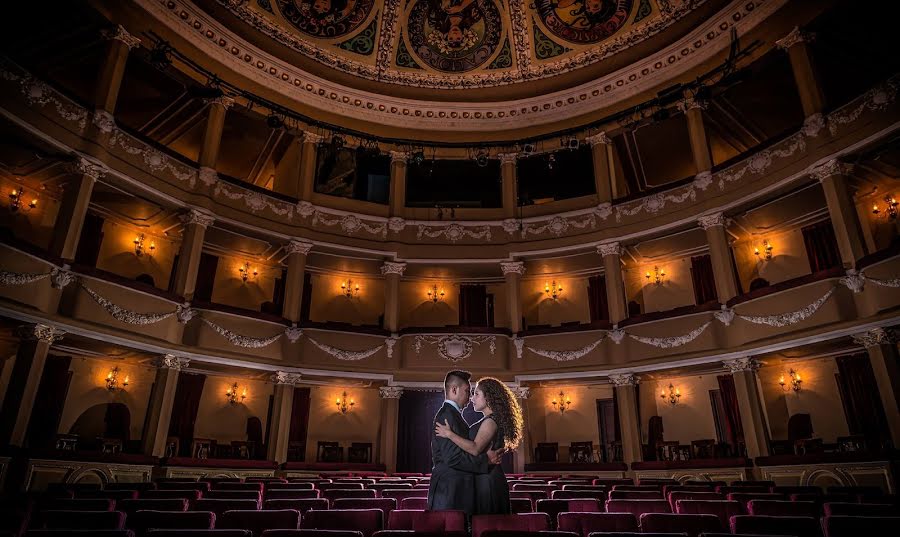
column 457, row 44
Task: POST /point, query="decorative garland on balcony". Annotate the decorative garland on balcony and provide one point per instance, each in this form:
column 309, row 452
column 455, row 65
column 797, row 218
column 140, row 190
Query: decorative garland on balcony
column 125, row 315
column 241, row 341
column 893, row 282
column 340, row 354
column 20, row 278
column 789, row 318
column 672, row 341
column 567, row 356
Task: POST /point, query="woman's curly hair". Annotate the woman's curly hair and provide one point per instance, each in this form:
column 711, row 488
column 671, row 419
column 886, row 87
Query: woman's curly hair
column 506, row 410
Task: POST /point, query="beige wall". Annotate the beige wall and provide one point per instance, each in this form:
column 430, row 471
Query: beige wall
column 677, row 289
column 327, row 424
column 501, row 309
column 88, row 388
column 117, row 254
column 34, row 226
column 578, row 424
column 221, row 421
column 415, row 308
column 231, row 290
column 788, row 258
column 572, row 305
column 692, row 418
column 328, row 304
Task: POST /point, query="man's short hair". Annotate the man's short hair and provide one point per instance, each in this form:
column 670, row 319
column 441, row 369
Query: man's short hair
column 456, row 377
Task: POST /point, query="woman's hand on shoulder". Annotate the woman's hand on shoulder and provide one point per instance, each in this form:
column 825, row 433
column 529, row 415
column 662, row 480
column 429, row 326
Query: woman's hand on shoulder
column 443, row 429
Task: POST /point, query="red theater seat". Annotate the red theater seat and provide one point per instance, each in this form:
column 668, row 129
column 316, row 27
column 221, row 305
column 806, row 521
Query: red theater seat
column 330, row 486
column 291, row 494
column 146, row 485
column 220, row 506
column 302, row 504
column 638, row 507
column 416, row 503
column 856, row 526
column 368, row 521
column 517, row 523
column 860, row 509
column 639, row 488
column 199, row 533
column 725, row 489
column 783, row 508
column 259, row 521
column 587, row 523
column 400, row 494
column 73, row 533
column 609, row 483
column 677, row 495
column 427, row 521
column 312, row 533
column 724, row 509
column 585, row 487
column 133, row 506
column 232, row 495
column 533, row 495
column 616, row 494
column 693, row 525
column 83, row 504
column 289, row 485
column 142, row 521
column 229, row 485
column 202, row 486
column 598, row 495
column 547, row 533
column 745, row 497
column 109, row 494
column 795, row 489
column 171, row 494
column 520, row 505
column 554, row 507
column 334, row 494
column 385, row 504
column 798, row 526
column 83, row 520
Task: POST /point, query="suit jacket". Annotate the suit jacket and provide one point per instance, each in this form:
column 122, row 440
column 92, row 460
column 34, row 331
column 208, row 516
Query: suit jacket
column 453, row 470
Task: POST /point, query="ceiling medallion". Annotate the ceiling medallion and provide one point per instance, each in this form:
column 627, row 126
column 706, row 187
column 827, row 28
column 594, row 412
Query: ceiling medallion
column 583, row 21
column 326, row 19
column 456, row 36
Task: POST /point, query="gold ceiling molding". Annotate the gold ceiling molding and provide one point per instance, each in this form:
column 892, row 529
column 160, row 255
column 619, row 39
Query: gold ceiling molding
column 223, row 45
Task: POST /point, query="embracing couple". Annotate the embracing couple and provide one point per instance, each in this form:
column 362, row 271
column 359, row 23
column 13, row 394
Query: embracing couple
column 466, row 474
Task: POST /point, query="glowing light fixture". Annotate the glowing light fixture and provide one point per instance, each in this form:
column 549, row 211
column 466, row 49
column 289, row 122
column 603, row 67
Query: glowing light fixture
column 231, row 395
column 246, row 271
column 562, row 403
column 891, row 205
column 343, row 404
column 112, row 380
column 793, row 384
column 767, row 248
column 553, row 290
column 139, row 246
column 17, row 200
column 349, row 289
column 434, row 294
column 672, row 396
column 658, row 275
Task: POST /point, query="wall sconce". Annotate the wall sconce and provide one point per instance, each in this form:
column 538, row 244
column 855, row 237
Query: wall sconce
column 247, row 272
column 794, row 383
column 434, row 295
column 139, row 246
column 672, row 396
column 658, row 275
column 343, row 404
column 232, row 397
column 767, row 248
column 552, row 290
column 349, row 289
column 563, row 403
column 112, row 380
column 16, row 200
column 891, row 204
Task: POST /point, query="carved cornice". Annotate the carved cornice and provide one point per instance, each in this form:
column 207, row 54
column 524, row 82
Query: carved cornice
column 399, row 156
column 87, row 168
column 712, row 220
column 748, row 363
column 196, row 216
column 508, row 158
column 170, row 361
column 283, row 377
column 599, row 138
column 512, row 267
column 208, row 176
column 796, row 36
column 390, row 392
column 875, row 337
column 624, row 379
column 391, row 267
column 224, row 101
column 298, row 247
column 310, row 137
column 692, row 103
column 609, row 248
column 41, row 332
column 830, row 168
column 120, row 34
column 104, row 121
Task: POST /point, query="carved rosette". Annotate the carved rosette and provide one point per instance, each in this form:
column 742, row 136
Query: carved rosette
column 170, row 361
column 813, row 125
column 702, row 180
column 312, row 138
column 391, row 267
column 60, row 277
column 624, row 379
column 104, row 121
column 198, row 217
column 508, row 158
column 796, row 36
column 298, row 247
column 519, row 344
column 512, row 267
column 725, row 316
column 604, row 210
column 208, row 176
column 711, row 220
column 87, row 168
column 120, row 34
column 521, row 392
column 399, row 156
column 224, row 101
column 599, row 138
column 283, row 377
column 830, row 168
column 396, row 224
column 609, row 248
column 853, row 280
column 41, row 332
column 184, row 313
column 748, row 363
column 875, row 337
column 390, row 392
column 293, row 333
column 616, row 335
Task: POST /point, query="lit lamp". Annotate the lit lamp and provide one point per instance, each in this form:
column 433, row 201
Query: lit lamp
column 563, row 403
column 112, row 380
column 767, row 248
column 246, row 271
column 16, row 200
column 343, row 404
column 891, row 205
column 232, row 397
column 349, row 289
column 552, row 290
column 434, row 295
column 672, row 396
column 139, row 246
column 658, row 275
column 794, row 384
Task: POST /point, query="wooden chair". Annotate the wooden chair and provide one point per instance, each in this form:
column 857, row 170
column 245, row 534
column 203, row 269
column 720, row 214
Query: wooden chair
column 296, row 451
column 546, row 452
column 203, row 448
column 667, row 450
column 360, row 452
column 329, row 452
column 703, row 449
column 110, row 445
column 173, row 445
column 581, row 452
column 614, row 451
column 67, row 442
column 243, row 450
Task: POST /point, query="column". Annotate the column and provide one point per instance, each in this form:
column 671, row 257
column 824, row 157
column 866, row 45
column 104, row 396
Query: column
column 297, row 251
column 195, row 224
column 119, row 42
column 512, row 273
column 833, row 175
column 162, row 400
column 34, row 345
column 282, row 408
column 520, row 459
column 796, row 44
column 753, row 420
column 615, row 286
column 693, row 111
column 397, row 198
column 390, row 416
column 601, row 146
column 73, row 208
column 287, row 171
column 392, row 273
column 720, row 256
column 626, row 396
column 308, row 157
column 508, row 182
column 212, row 136
column 881, row 344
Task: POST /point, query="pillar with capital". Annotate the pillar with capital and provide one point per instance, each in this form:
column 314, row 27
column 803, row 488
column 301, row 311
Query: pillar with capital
column 308, row 158
column 392, row 273
column 34, row 346
column 693, row 111
column 601, row 147
column 615, row 286
column 195, row 224
column 288, row 169
column 750, row 405
column 833, row 175
column 508, row 183
column 720, row 256
column 512, row 273
column 881, row 345
column 397, row 199
column 212, row 136
column 626, row 396
column 162, row 399
column 797, row 44
column 520, row 456
column 390, row 416
column 73, row 207
column 118, row 43
column 282, row 408
column 296, row 250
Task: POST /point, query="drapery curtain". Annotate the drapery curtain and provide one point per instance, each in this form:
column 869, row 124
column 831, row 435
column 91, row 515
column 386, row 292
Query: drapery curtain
column 862, row 404
column 597, row 298
column 704, row 279
column 733, row 425
column 472, row 305
column 299, row 415
column 821, row 246
column 415, row 426
column 184, row 410
column 48, row 405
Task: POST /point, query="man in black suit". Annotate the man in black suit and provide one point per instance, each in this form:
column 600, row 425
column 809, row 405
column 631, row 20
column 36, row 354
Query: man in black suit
column 453, row 470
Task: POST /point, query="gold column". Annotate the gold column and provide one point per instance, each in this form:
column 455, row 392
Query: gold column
column 18, row 403
column 311, row 142
column 512, row 273
column 288, row 170
column 753, row 420
column 297, row 251
column 615, row 285
column 106, row 92
column 73, row 208
column 390, row 415
column 195, row 224
column 720, row 256
column 508, row 182
column 693, row 111
column 392, row 273
column 626, row 397
column 397, row 199
column 601, row 146
column 520, row 459
column 812, row 97
column 162, row 400
column 212, row 137
column 881, row 344
column 844, row 217
column 282, row 408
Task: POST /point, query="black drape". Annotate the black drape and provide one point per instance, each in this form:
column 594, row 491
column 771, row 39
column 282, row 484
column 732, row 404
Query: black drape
column 735, row 429
column 184, row 410
column 306, row 301
column 473, row 305
column 597, row 298
column 90, row 240
column 821, row 246
column 862, row 404
column 299, row 415
column 48, row 405
column 704, row 279
column 415, row 428
column 206, row 277
column 117, row 422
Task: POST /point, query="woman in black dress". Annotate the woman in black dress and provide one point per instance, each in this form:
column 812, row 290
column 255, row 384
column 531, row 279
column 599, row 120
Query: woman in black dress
column 501, row 428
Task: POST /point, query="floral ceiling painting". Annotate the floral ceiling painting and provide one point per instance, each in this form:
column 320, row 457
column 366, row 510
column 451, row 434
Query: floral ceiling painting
column 326, row 18
column 454, row 35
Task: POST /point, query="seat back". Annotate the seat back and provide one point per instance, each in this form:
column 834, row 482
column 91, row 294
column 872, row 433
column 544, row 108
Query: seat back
column 677, row 495
column 291, row 494
column 724, row 509
column 783, row 508
column 554, row 507
column 259, row 521
column 430, row 521
column 233, row 495
column 184, row 485
column 231, row 485
column 289, row 485
column 301, row 504
column 220, row 506
column 635, row 495
column 141, row 521
column 745, row 497
column 860, row 509
column 517, row 523
column 520, row 505
column 107, row 494
column 334, row 494
column 367, row 521
column 638, row 507
column 82, row 504
column 132, row 506
column 339, row 485
column 199, row 533
column 587, row 523
column 598, row 495
column 417, row 503
column 83, row 520
column 692, row 525
column 400, row 494
column 186, row 494
column 857, row 526
column 385, row 504
column 798, row 526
